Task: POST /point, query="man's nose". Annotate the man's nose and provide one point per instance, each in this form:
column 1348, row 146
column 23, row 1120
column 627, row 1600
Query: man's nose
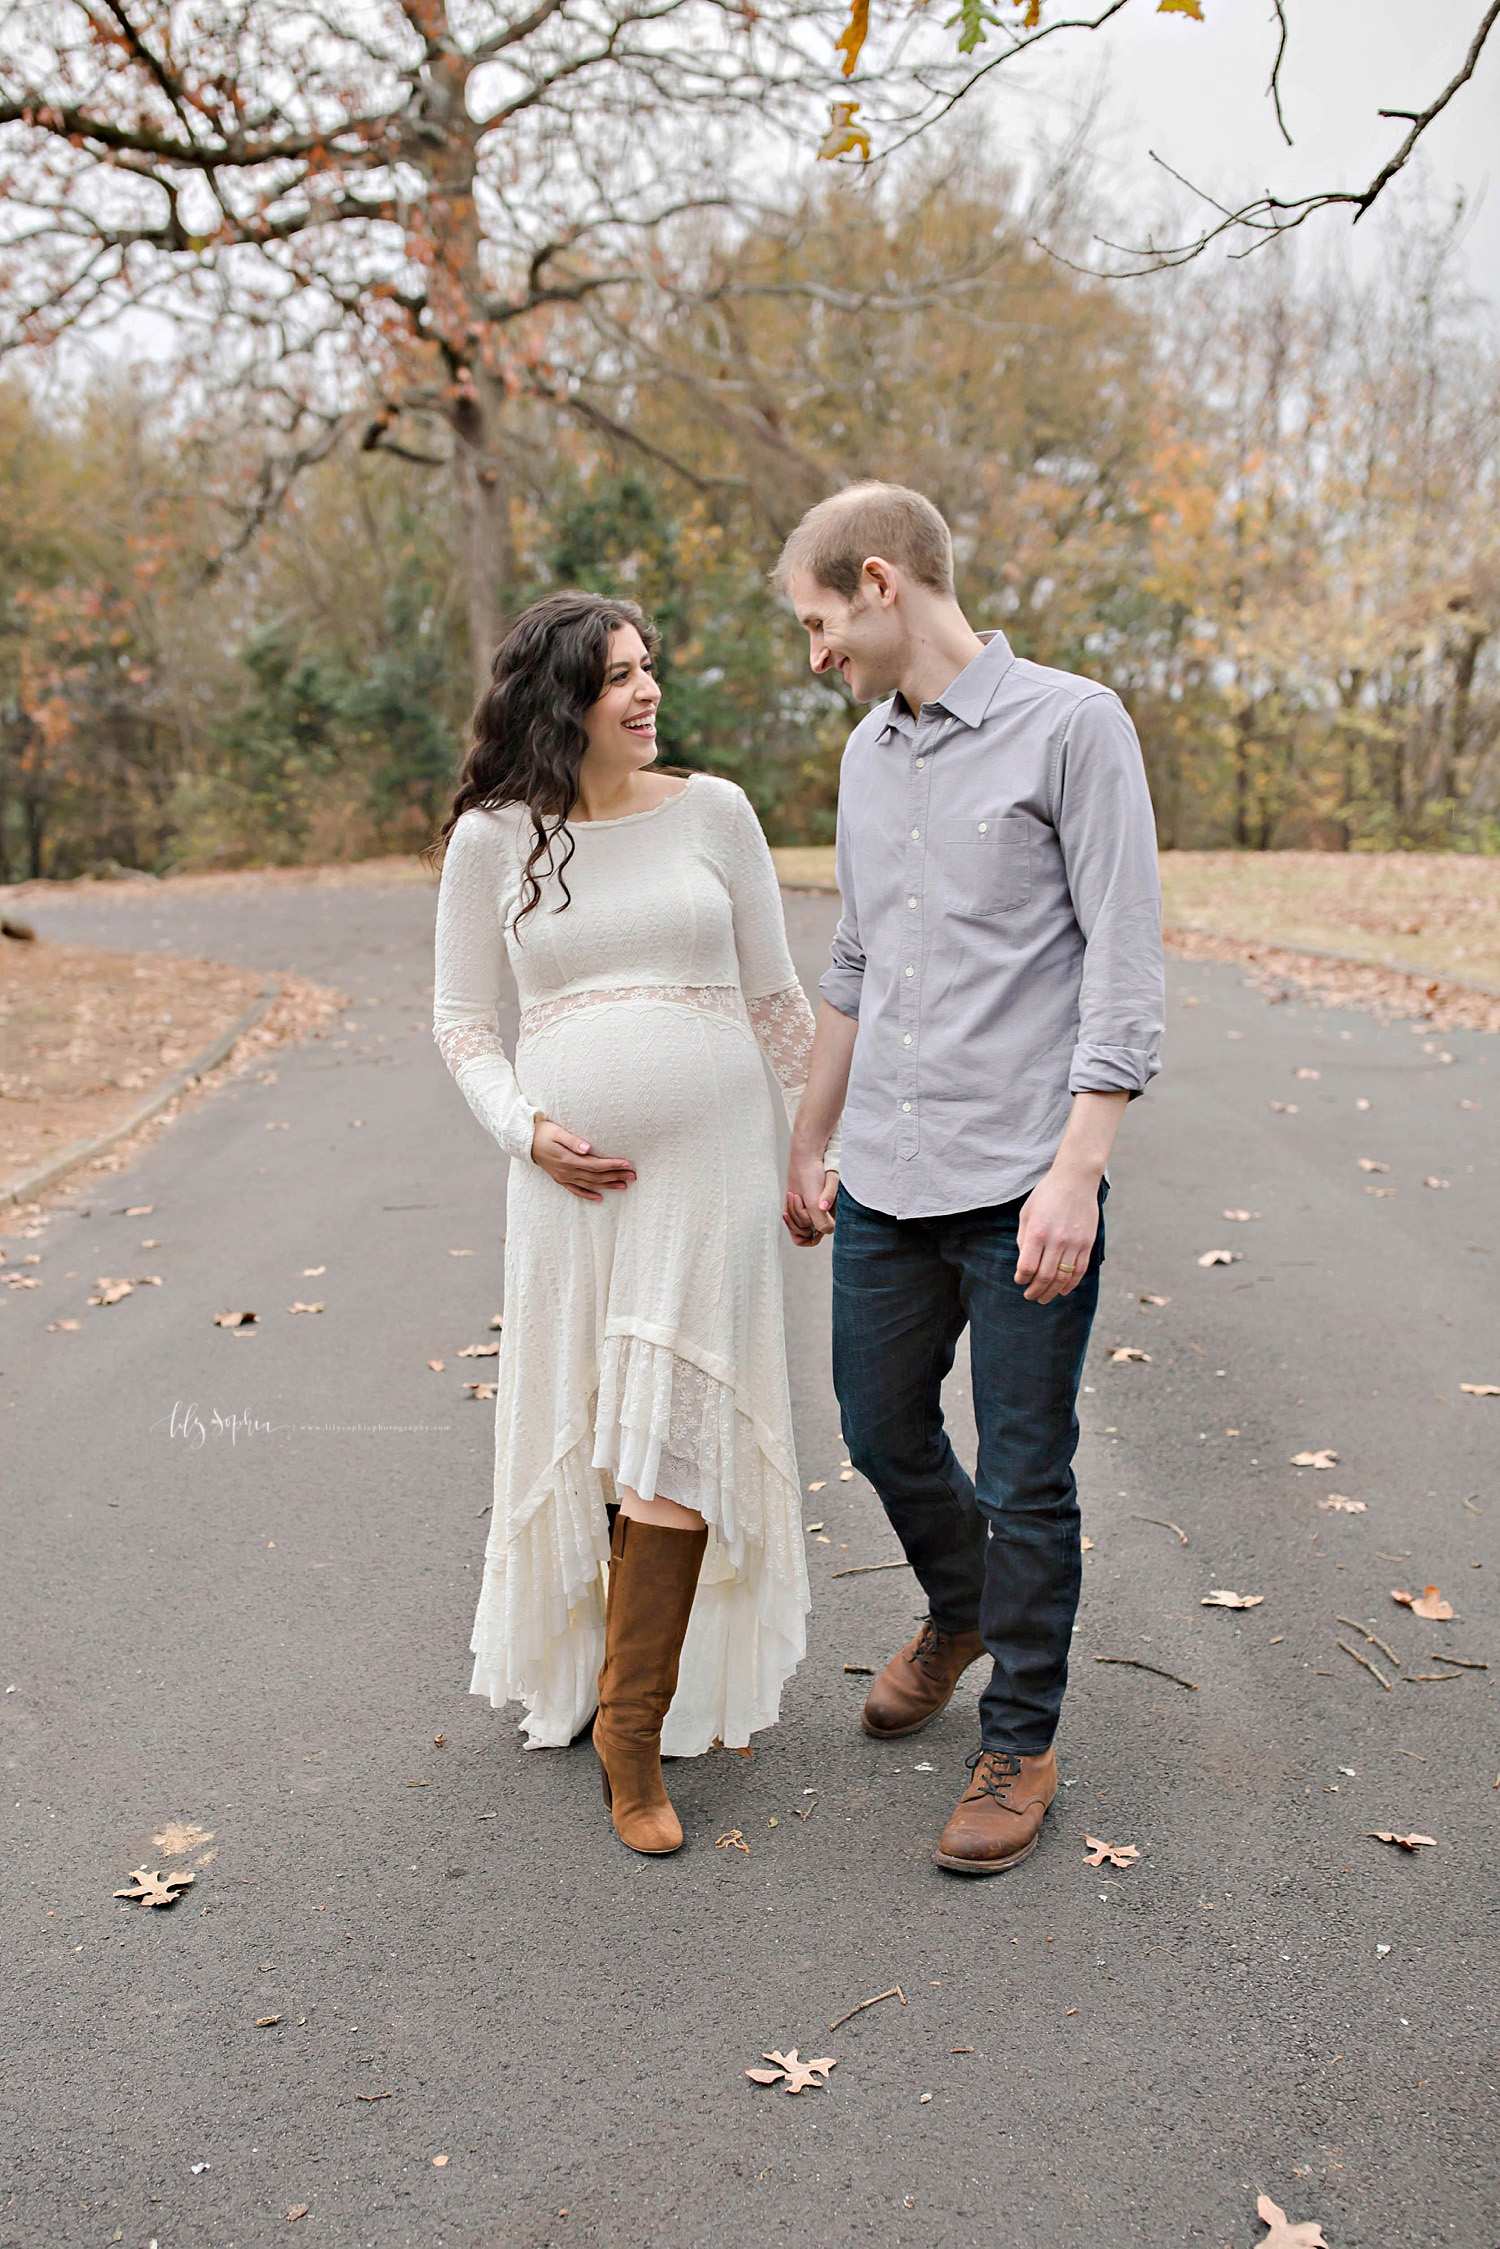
column 820, row 655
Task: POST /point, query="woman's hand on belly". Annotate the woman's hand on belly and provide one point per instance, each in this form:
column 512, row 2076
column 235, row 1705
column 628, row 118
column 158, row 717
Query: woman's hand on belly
column 572, row 1163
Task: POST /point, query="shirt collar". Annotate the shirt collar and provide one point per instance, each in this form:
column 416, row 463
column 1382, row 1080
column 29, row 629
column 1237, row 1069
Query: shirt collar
column 968, row 696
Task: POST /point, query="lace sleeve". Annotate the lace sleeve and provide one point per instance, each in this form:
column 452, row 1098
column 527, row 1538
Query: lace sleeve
column 783, row 1023
column 469, row 952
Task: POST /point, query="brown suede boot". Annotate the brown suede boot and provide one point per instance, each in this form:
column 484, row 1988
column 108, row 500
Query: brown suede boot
column 919, row 1682
column 998, row 1818
column 653, row 1575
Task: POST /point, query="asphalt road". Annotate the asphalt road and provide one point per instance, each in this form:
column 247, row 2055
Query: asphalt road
column 241, row 1575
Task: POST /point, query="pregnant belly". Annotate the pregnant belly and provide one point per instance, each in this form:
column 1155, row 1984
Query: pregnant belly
column 650, row 1081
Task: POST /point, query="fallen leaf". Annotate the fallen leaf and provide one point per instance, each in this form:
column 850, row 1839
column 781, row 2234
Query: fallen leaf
column 1368, row 1163
column 264, row 2022
column 69, row 1325
column 111, row 1292
column 304, row 1307
column 1407, row 1842
column 1087, row 1545
column 480, row 1351
column 1285, row 1108
column 846, row 1475
column 1242, row 1216
column 1469, row 1389
column 799, row 2075
column 235, row 1320
column 1116, row 1854
column 1283, row 2234
column 1220, row 1257
column 481, row 1390
column 1307, row 1073
column 733, row 1841
column 864, row 1670
column 498, row 1321
column 1428, row 1603
column 296, row 2210
column 1125, row 1354
column 1383, row 1191
column 438, row 1740
column 819, row 1487
column 438, row 2161
column 138, row 1210
column 1322, row 1459
column 155, row 1889
column 1159, row 1301
column 436, row 1365
column 1362, row 1103
column 311, row 1272
column 1342, row 1506
column 1222, row 1598
column 1436, row 1183
column 814, row 1526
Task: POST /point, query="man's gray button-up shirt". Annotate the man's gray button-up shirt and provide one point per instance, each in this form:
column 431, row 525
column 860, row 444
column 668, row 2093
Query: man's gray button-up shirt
column 1000, row 942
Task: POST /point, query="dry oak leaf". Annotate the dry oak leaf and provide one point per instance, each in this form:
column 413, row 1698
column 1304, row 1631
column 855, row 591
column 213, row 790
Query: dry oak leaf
column 480, row 1351
column 304, row 1307
column 1124, row 1354
column 1480, row 1389
column 1283, row 2234
column 1241, row 1217
column 155, row 1889
column 1116, row 1854
column 436, row 1365
column 1407, row 1842
column 481, row 1390
column 734, row 1840
column 110, row 1292
column 1087, row 1545
column 1434, row 1182
column 1428, row 1603
column 1321, row 1459
column 1220, row 1257
column 1221, row 1598
column 235, row 1319
column 1286, row 1108
column 1342, row 1506
column 1305, row 1073
column 844, row 137
column 1368, row 1163
column 1160, row 1301
column 296, row 2210
column 799, row 2075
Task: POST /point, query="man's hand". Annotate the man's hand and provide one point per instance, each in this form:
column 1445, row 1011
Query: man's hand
column 810, row 1195
column 1060, row 1217
column 1059, row 1220
column 572, row 1164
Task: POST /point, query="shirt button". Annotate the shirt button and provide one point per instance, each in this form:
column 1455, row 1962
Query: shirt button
column 911, row 972
column 915, row 833
column 921, row 761
column 906, row 1038
column 911, row 901
column 984, row 827
column 906, row 1104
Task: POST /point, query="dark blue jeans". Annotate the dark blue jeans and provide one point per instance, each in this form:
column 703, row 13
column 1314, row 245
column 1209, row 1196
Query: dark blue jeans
column 999, row 1552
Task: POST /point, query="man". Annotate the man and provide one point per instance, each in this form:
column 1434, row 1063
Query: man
column 994, row 1001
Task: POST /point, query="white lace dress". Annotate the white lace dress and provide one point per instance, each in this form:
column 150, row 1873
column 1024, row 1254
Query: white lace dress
column 643, row 1341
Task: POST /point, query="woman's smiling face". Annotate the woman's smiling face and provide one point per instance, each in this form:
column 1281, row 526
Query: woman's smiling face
column 621, row 726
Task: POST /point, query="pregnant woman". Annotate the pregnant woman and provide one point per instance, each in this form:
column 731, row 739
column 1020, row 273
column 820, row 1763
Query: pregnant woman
column 642, row 1365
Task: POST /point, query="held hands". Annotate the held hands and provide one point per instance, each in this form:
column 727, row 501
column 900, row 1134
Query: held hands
column 1059, row 1220
column 572, row 1164
column 810, row 1193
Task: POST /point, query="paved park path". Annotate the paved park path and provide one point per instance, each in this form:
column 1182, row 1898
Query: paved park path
column 494, row 2028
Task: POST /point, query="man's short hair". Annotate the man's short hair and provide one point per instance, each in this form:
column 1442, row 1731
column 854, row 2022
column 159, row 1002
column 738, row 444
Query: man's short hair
column 835, row 539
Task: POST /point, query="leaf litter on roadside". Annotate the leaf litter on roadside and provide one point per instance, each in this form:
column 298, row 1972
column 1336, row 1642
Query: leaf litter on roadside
column 1284, row 2234
column 1114, row 1854
column 150, row 1888
column 1220, row 1597
column 1321, row 1459
column 799, row 2076
column 1124, row 1354
column 1411, row 1843
column 1220, row 1257
column 1429, row 1603
column 1342, row 1506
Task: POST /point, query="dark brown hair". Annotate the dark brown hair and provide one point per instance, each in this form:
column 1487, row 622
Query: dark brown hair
column 835, row 539
column 529, row 733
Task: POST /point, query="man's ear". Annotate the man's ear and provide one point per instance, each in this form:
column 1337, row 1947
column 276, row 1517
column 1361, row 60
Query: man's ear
column 878, row 580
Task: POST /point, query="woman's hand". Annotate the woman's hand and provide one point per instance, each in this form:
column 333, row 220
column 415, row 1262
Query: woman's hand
column 807, row 1221
column 571, row 1163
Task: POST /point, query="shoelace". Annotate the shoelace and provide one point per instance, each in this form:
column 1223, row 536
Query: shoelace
column 930, row 1644
column 994, row 1770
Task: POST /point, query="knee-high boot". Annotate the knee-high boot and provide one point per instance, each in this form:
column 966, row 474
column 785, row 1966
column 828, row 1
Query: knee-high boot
column 653, row 1575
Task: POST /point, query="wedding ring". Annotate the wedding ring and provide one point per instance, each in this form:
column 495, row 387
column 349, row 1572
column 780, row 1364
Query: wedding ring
column 1067, row 1268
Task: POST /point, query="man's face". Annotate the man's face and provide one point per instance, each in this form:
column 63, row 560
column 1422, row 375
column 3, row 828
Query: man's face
column 861, row 638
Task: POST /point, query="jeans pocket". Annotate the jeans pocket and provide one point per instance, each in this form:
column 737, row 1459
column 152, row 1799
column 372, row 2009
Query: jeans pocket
column 984, row 863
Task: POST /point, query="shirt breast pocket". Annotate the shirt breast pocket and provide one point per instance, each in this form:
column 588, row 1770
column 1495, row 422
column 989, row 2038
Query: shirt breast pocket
column 984, row 863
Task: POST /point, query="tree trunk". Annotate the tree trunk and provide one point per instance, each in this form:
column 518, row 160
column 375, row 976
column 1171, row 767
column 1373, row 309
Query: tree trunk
column 484, row 494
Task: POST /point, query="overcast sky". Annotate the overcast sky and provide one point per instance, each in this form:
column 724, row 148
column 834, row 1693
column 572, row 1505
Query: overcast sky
column 1195, row 92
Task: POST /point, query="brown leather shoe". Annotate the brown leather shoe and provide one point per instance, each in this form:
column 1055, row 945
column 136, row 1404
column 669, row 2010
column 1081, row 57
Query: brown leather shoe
column 998, row 1818
column 919, row 1682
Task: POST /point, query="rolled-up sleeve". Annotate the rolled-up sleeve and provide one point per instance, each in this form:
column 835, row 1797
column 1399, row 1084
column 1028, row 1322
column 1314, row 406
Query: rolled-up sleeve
column 1107, row 832
column 843, row 980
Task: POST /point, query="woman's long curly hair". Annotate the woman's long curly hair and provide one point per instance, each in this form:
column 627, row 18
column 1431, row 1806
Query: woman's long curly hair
column 529, row 730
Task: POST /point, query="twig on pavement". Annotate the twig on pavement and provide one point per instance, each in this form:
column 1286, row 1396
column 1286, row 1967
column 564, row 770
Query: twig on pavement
column 1373, row 1668
column 1139, row 1663
column 863, row 1569
column 895, row 1992
column 1373, row 1637
column 1162, row 1524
